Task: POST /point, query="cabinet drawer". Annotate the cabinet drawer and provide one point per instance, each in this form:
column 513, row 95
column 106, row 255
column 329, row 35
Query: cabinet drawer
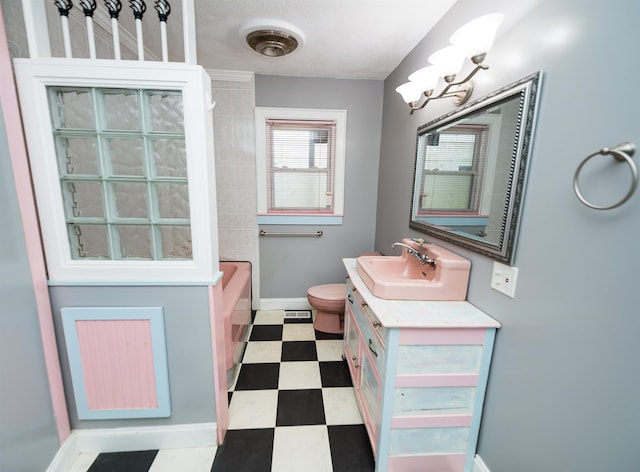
column 370, row 339
column 360, row 305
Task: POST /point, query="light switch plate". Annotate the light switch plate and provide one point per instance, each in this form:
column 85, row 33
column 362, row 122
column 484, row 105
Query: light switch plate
column 503, row 279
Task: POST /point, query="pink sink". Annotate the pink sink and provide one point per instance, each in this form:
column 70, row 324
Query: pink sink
column 405, row 278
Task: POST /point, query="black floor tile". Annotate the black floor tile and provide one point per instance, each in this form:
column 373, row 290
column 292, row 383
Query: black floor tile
column 258, row 377
column 322, row 336
column 266, row 333
column 229, row 395
column 136, row 461
column 245, row 450
column 335, row 374
column 299, row 351
column 300, row 407
column 350, row 448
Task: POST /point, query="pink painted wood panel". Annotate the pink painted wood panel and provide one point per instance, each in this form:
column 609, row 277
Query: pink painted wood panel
column 436, row 380
column 444, row 336
column 117, row 364
column 31, row 229
column 431, row 421
column 432, row 462
column 216, row 319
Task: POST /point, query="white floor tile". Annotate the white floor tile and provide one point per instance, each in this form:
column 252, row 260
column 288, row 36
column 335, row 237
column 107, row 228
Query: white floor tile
column 83, row 462
column 299, row 375
column 259, row 352
column 269, row 317
column 298, row 332
column 330, row 349
column 195, row 459
column 340, row 406
column 253, row 409
column 303, row 448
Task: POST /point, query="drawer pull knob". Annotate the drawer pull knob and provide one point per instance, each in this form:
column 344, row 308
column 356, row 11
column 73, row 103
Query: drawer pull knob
column 376, row 324
column 371, row 348
column 350, row 299
column 363, row 304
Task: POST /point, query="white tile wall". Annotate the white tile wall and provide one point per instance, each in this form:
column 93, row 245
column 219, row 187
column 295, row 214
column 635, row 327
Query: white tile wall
column 234, row 137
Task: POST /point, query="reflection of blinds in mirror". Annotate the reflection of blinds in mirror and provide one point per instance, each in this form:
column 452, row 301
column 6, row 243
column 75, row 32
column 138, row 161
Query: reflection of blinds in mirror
column 453, row 169
column 301, row 165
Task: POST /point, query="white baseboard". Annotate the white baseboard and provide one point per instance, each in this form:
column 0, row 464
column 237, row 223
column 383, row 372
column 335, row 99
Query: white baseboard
column 284, row 304
column 66, row 455
column 479, row 465
column 87, row 441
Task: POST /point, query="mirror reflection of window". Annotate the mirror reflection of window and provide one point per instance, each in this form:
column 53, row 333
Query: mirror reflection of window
column 453, row 168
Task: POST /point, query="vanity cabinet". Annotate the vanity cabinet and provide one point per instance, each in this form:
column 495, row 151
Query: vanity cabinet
column 419, row 370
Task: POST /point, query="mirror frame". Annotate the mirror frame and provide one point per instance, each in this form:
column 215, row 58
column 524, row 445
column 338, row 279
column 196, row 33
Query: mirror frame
column 504, row 250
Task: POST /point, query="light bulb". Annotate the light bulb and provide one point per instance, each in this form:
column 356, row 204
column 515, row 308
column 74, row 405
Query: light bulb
column 448, row 61
column 477, row 36
column 410, row 92
column 426, row 78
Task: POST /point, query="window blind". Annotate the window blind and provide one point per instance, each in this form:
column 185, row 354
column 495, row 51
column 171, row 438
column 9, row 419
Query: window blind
column 300, row 166
column 454, row 164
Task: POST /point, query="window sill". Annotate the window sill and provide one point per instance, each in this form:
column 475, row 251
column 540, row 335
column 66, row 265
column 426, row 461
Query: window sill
column 299, row 220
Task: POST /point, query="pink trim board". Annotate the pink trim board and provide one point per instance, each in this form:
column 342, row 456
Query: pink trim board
column 439, row 462
column 22, row 178
column 442, row 336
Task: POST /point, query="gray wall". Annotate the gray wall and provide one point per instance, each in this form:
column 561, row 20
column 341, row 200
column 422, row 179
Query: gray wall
column 189, row 354
column 563, row 387
column 289, row 266
column 28, row 435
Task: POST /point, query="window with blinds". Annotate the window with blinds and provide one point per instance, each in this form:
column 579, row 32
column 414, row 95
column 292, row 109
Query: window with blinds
column 300, row 165
column 454, row 164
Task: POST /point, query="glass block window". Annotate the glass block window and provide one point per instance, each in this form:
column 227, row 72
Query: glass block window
column 122, row 166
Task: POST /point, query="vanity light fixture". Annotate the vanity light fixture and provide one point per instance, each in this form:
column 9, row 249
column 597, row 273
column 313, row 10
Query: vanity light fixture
column 471, row 42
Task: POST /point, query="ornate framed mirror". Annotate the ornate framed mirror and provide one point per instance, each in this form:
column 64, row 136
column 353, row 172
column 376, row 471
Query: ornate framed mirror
column 470, row 170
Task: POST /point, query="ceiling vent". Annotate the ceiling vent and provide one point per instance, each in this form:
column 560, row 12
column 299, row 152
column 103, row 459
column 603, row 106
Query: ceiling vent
column 271, row 38
column 272, row 43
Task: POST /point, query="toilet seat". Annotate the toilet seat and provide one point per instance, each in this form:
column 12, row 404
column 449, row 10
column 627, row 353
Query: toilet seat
column 334, row 292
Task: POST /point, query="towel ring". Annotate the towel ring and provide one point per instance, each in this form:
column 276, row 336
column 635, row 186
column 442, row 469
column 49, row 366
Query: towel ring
column 622, row 153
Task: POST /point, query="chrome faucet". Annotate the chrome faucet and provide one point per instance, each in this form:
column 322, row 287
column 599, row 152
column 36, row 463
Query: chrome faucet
column 422, row 258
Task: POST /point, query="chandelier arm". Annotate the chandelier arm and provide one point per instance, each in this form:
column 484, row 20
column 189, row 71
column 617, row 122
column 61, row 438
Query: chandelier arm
column 477, row 68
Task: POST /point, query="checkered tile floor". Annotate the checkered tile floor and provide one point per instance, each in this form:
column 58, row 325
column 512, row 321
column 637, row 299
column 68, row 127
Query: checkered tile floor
column 291, row 408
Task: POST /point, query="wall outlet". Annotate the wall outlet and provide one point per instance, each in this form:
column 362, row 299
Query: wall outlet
column 503, row 279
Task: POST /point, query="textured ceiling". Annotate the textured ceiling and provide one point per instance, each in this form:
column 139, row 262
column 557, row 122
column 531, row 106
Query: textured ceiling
column 363, row 39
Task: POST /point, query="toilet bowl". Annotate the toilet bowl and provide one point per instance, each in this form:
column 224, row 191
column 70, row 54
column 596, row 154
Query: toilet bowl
column 328, row 300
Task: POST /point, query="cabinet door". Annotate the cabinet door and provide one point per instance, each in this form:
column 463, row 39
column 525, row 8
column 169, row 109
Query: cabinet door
column 352, row 347
column 371, row 393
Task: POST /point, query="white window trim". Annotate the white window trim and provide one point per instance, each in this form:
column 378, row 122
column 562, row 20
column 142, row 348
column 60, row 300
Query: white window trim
column 33, row 78
column 340, row 117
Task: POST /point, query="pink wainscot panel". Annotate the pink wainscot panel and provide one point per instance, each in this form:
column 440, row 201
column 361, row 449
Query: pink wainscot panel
column 117, row 363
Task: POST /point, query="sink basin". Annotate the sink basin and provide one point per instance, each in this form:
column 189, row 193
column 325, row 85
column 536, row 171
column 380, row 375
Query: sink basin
column 405, row 278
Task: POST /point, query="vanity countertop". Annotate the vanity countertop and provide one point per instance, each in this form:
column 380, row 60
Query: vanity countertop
column 418, row 313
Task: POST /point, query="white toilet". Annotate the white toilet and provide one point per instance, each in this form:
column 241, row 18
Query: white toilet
column 328, row 300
